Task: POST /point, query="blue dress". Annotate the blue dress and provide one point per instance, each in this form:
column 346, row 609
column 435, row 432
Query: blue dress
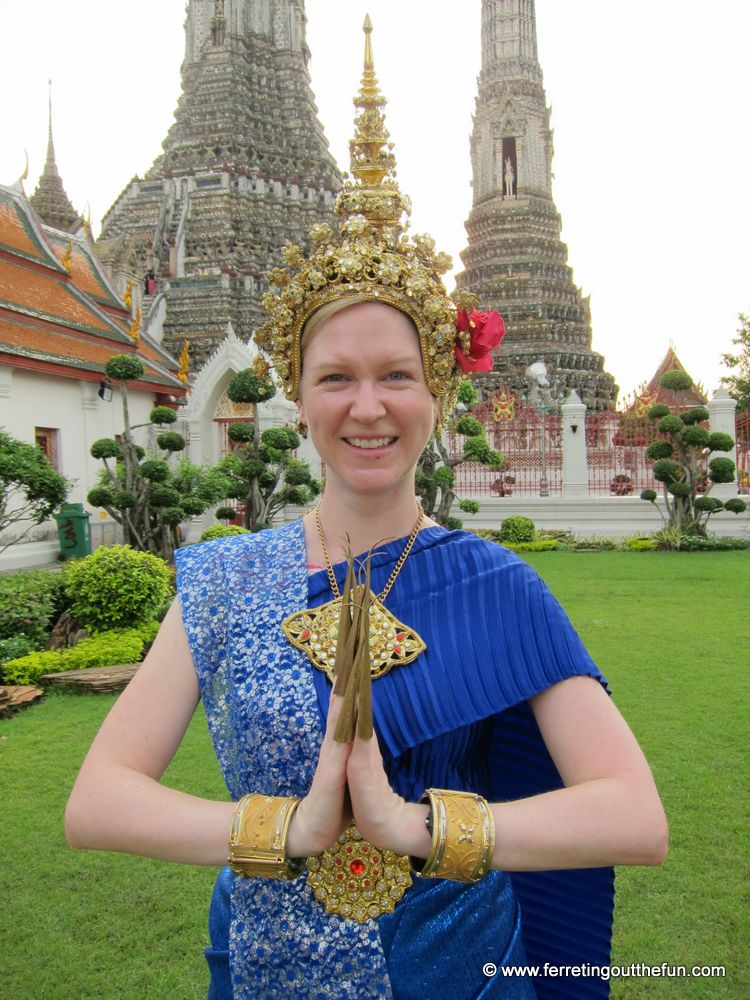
column 455, row 718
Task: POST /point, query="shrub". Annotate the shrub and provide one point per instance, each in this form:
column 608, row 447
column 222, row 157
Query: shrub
column 657, row 411
column 490, row 534
column 649, row 495
column 639, row 543
column 735, row 505
column 103, row 650
column 669, row 537
column 116, row 586
column 240, row 431
column 666, row 471
column 517, row 528
column 469, row 506
column 696, row 436
column 11, row 649
column 155, row 470
column 594, row 545
column 162, row 415
column 280, row 438
column 675, row 380
column 123, row 367
column 247, row 387
column 469, row 426
column 171, row 441
column 670, row 424
column 695, row 415
column 105, row 448
column 537, row 545
column 720, row 442
column 225, row 513
column 30, row 602
column 721, row 470
column 222, row 531
column 708, row 505
column 660, row 449
column 694, row 543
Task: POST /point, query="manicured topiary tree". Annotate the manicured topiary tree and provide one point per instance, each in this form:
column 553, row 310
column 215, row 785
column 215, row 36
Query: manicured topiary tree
column 435, row 474
column 262, row 470
column 30, row 489
column 150, row 495
column 682, row 463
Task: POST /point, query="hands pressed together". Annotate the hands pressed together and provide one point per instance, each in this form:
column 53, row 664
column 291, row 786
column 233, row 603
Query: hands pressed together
column 350, row 783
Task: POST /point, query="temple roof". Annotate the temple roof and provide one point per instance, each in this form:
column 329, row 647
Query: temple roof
column 58, row 311
column 50, row 201
column 651, row 393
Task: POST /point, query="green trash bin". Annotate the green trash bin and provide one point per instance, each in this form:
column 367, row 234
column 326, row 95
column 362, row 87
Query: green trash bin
column 73, row 531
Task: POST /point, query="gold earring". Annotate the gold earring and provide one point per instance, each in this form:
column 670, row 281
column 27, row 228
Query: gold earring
column 301, row 428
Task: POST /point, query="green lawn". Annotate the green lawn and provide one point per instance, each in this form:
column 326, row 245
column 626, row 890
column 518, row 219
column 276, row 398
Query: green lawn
column 670, row 631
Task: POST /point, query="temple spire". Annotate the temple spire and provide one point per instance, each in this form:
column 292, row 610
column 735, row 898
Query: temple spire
column 516, row 261
column 50, row 201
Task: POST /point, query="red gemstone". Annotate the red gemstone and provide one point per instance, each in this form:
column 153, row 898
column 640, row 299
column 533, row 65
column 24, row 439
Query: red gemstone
column 305, row 634
column 400, row 636
column 398, row 649
column 357, row 867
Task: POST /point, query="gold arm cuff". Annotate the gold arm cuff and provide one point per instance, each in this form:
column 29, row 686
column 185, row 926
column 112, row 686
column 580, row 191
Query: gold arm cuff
column 257, row 837
column 463, row 835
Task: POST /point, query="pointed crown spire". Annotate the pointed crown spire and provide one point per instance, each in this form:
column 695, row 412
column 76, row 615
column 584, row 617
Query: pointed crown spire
column 370, row 259
column 376, row 195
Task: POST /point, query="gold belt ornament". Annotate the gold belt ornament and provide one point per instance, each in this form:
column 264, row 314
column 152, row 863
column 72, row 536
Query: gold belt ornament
column 356, row 880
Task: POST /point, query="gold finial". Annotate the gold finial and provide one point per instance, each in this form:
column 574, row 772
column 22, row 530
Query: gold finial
column 182, row 374
column 87, row 223
column 135, row 328
column 377, row 195
column 128, row 296
column 25, row 173
column 367, row 28
column 260, row 366
column 67, row 257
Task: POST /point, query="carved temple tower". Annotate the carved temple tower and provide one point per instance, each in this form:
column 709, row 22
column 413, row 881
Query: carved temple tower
column 515, row 260
column 50, row 200
column 245, row 169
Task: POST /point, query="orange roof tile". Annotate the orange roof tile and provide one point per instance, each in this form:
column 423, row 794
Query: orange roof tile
column 16, row 234
column 45, row 296
column 63, row 348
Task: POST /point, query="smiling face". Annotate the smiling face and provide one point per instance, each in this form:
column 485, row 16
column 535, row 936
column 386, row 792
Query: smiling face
column 364, row 398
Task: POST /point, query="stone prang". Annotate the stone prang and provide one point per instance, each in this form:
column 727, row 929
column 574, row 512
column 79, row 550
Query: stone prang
column 245, row 169
column 515, row 261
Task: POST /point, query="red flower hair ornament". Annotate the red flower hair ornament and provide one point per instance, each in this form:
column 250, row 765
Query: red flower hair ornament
column 479, row 333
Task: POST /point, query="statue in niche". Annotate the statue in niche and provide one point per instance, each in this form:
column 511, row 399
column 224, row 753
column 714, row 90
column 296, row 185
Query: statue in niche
column 509, row 176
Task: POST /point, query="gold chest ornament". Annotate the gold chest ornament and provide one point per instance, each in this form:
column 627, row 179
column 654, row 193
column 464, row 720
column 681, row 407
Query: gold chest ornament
column 354, row 639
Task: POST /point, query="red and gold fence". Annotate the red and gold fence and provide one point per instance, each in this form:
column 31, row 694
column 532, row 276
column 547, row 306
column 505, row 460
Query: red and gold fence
column 514, row 428
column 742, row 439
column 616, row 451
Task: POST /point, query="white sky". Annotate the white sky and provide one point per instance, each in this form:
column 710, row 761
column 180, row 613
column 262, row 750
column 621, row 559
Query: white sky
column 649, row 106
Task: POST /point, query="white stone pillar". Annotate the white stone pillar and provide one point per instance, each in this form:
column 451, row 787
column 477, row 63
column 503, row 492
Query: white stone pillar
column 575, row 466
column 722, row 420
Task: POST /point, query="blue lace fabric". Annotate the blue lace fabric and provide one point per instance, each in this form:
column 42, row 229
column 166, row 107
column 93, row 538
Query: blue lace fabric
column 455, row 718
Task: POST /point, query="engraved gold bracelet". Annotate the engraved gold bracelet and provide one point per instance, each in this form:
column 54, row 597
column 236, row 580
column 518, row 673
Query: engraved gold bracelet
column 463, row 836
column 257, row 837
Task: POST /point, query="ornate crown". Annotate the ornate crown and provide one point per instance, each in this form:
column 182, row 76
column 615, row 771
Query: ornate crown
column 372, row 257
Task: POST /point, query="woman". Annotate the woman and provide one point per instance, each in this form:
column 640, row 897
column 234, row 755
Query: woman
column 483, row 688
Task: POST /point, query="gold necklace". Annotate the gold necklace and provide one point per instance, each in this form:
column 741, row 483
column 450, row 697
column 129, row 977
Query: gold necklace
column 315, row 630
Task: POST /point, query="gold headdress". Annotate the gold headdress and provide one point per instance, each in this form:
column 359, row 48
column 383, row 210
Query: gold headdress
column 372, row 258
